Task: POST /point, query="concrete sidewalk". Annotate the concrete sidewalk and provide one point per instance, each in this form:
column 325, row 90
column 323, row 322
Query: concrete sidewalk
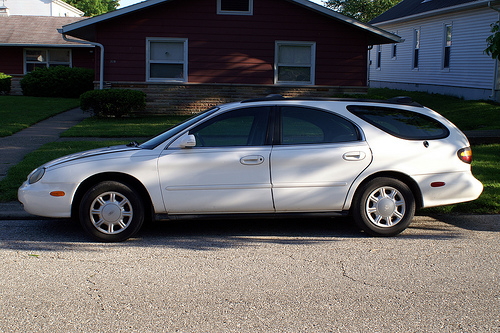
column 13, row 148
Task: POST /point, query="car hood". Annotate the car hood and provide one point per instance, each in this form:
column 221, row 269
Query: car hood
column 91, row 153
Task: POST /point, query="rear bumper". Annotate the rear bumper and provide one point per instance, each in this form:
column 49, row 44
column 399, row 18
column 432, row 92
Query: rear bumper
column 449, row 188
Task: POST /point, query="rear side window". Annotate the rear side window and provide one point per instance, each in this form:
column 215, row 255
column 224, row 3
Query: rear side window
column 403, row 124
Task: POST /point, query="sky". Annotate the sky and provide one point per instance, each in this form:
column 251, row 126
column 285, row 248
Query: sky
column 124, row 3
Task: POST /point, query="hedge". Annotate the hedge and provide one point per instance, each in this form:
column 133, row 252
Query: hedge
column 5, row 83
column 113, row 102
column 58, row 81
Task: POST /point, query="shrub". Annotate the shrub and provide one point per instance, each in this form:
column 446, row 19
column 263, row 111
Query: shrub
column 58, row 81
column 5, row 83
column 113, row 102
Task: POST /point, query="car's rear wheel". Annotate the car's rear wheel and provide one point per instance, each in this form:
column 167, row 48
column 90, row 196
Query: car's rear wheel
column 111, row 211
column 384, row 207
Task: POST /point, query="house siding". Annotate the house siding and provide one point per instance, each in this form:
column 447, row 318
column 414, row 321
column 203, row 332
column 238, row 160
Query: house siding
column 471, row 72
column 233, row 49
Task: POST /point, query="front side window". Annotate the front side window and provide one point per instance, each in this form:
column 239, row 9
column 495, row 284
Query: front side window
column 242, row 127
column 311, row 126
column 166, row 60
column 403, row 124
column 44, row 58
column 235, row 7
column 295, row 62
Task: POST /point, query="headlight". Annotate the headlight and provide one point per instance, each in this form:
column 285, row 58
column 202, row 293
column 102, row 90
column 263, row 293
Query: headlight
column 36, row 175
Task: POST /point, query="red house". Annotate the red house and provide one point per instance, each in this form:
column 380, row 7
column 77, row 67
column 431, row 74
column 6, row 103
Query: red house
column 29, row 42
column 190, row 54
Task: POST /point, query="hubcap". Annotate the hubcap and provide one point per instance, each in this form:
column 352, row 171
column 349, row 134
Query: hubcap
column 111, row 212
column 385, row 207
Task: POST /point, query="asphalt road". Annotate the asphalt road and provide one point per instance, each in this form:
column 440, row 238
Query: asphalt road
column 322, row 275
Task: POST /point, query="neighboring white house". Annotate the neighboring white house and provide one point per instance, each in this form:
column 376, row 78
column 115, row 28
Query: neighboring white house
column 443, row 48
column 38, row 8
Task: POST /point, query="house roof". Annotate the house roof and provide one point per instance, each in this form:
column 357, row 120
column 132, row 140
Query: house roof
column 18, row 30
column 414, row 9
column 85, row 29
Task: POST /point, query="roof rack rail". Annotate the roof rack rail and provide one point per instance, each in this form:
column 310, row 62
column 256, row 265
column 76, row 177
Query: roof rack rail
column 406, row 100
column 271, row 97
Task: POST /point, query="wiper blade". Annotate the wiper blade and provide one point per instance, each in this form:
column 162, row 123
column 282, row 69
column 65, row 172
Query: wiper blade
column 133, row 144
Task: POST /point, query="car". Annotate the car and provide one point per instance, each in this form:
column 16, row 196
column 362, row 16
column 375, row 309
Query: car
column 377, row 161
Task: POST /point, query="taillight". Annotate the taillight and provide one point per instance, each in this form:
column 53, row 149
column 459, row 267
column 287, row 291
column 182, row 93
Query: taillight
column 465, row 155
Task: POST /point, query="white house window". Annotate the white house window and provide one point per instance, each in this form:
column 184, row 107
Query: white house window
column 416, row 47
column 379, row 56
column 44, row 58
column 295, row 62
column 235, row 7
column 167, row 59
column 447, row 46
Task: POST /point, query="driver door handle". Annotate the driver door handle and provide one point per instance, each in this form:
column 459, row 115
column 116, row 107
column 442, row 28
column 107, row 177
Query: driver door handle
column 252, row 160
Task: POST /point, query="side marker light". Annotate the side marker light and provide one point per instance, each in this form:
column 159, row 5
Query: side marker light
column 57, row 193
column 438, row 184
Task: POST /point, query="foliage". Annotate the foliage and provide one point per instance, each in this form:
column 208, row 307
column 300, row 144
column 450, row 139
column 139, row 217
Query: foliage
column 361, row 10
column 20, row 112
column 113, row 102
column 493, row 41
column 94, row 7
column 58, row 81
column 5, row 83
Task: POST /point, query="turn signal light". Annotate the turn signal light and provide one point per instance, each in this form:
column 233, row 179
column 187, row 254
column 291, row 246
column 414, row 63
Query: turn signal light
column 57, row 193
column 465, row 155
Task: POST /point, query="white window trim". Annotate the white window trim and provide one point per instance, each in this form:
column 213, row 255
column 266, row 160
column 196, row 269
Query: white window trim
column 312, row 66
column 149, row 61
column 47, row 62
column 228, row 12
column 394, row 49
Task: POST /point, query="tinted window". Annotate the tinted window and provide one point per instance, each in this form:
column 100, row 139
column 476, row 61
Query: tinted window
column 303, row 125
column 242, row 127
column 401, row 123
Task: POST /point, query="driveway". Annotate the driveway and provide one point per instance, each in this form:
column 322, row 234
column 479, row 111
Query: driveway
column 316, row 275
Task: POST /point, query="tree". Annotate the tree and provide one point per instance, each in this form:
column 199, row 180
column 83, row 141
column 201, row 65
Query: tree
column 94, row 7
column 493, row 42
column 361, row 10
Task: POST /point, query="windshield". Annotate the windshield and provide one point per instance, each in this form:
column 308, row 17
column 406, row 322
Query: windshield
column 154, row 142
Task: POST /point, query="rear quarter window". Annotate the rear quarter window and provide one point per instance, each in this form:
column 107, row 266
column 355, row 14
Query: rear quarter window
column 403, row 124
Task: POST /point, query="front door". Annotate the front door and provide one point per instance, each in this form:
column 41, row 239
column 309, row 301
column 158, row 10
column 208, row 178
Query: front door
column 226, row 172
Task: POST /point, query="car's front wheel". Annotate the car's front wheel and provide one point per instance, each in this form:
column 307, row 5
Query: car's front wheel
column 383, row 207
column 111, row 211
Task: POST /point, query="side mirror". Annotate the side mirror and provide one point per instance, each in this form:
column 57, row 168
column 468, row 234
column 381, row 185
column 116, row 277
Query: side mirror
column 187, row 141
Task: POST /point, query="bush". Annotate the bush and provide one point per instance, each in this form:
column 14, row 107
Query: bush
column 113, row 102
column 58, row 81
column 5, row 83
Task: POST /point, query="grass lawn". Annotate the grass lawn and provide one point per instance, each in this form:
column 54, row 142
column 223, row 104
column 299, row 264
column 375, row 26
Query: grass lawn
column 123, row 127
column 19, row 112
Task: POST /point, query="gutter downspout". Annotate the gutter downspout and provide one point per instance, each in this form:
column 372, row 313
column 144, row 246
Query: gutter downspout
column 495, row 78
column 370, row 47
column 101, row 65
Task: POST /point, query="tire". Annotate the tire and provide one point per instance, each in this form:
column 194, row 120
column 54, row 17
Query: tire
column 111, row 211
column 383, row 207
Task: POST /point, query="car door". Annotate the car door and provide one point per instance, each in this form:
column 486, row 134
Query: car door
column 226, row 172
column 317, row 157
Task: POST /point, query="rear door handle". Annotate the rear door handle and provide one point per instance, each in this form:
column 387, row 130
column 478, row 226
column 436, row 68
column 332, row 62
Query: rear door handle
column 252, row 160
column 354, row 156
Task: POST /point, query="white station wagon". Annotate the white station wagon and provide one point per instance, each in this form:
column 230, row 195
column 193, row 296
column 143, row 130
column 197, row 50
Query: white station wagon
column 375, row 160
